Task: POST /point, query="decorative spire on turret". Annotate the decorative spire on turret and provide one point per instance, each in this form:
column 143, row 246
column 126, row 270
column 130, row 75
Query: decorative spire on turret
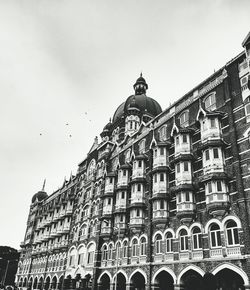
column 44, row 182
column 140, row 86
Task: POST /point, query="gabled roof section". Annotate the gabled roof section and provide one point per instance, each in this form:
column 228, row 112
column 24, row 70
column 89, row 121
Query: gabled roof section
column 246, row 40
column 94, row 146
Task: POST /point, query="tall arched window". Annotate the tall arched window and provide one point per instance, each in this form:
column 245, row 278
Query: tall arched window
column 196, row 238
column 91, row 168
column 110, row 252
column 183, row 240
column 143, row 245
column 134, row 248
column 215, row 237
column 169, row 242
column 104, row 253
column 125, row 249
column 118, row 250
column 232, row 233
column 210, row 102
column 142, row 146
column 158, row 244
column 184, row 119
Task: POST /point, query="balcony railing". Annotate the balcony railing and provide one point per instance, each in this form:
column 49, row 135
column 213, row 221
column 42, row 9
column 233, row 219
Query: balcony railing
column 184, row 256
column 197, row 254
column 233, row 251
column 138, row 173
column 216, row 252
column 122, row 181
column 160, row 187
column 160, row 161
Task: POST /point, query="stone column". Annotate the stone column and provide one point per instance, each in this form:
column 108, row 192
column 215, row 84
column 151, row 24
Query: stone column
column 155, row 286
column 178, row 287
column 112, row 286
column 99, row 286
column 129, row 286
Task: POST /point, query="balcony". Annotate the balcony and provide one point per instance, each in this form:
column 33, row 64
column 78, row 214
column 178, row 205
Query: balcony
column 169, row 257
column 56, row 216
column 69, row 210
column 60, row 230
column 183, row 148
column 159, row 258
column 214, row 253
column 136, row 221
column 109, row 188
column 107, row 210
column 134, row 260
column 159, row 187
column 138, row 173
column 106, row 231
column 66, row 228
column 233, row 251
column 183, row 178
column 197, row 254
column 122, row 182
column 185, row 211
column 160, row 214
column 184, row 256
column 160, row 161
column 62, row 213
column 120, row 204
column 53, row 232
column 210, row 134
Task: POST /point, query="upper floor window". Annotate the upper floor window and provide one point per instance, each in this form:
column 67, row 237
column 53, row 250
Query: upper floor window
column 169, row 242
column 142, row 146
column 143, row 246
column 215, row 237
column 196, row 237
column 127, row 155
column 184, row 119
column 163, row 133
column 210, row 102
column 232, row 233
column 134, row 248
column 158, row 244
column 183, row 240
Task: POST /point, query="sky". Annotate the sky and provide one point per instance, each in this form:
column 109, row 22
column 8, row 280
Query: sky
column 65, row 66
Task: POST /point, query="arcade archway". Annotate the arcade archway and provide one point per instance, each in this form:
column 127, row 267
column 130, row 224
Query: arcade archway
column 227, row 279
column 192, row 280
column 138, row 281
column 104, row 283
column 164, row 280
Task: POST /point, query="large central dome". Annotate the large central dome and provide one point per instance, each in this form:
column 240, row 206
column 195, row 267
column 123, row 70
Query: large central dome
column 140, row 100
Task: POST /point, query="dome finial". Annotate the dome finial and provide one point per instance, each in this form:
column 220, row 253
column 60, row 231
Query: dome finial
column 140, row 86
column 44, row 182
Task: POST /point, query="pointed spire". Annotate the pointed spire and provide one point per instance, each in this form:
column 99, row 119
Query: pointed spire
column 141, row 75
column 44, row 182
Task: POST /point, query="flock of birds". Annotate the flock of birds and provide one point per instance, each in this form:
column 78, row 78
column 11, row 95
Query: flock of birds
column 67, row 124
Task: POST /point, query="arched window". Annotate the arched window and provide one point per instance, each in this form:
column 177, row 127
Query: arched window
column 143, row 246
column 215, row 237
column 169, row 242
column 163, row 133
column 125, row 249
column 196, row 238
column 232, row 233
column 104, row 253
column 210, row 102
column 183, row 240
column 118, row 250
column 110, row 252
column 142, row 146
column 184, row 119
column 134, row 248
column 91, row 168
column 158, row 244
column 127, row 155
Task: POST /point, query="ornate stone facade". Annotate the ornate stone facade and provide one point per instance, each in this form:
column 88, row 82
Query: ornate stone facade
column 160, row 203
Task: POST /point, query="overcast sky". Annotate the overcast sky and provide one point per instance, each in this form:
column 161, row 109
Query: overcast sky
column 75, row 61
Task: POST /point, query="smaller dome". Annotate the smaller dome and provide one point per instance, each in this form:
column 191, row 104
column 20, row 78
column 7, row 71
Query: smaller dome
column 108, row 126
column 40, row 195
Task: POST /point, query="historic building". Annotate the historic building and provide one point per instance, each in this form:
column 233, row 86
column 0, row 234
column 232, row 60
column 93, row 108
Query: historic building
column 161, row 202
